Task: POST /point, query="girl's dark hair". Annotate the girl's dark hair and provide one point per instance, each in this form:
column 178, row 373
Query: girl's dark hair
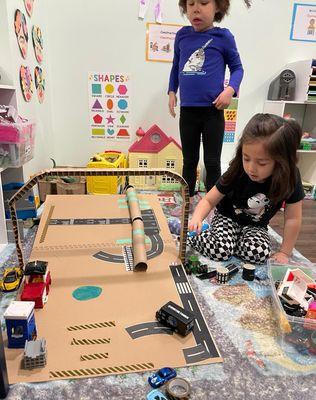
column 281, row 139
column 222, row 5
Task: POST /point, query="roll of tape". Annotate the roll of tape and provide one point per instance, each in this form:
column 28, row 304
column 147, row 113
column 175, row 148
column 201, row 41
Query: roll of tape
column 178, row 388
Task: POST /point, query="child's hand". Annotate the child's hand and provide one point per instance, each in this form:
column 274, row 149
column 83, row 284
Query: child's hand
column 172, row 103
column 195, row 224
column 223, row 100
column 280, row 258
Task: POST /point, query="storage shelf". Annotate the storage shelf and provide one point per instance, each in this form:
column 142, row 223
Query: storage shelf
column 7, row 87
column 306, row 151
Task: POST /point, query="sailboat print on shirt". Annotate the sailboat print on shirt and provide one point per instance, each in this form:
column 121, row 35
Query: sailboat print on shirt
column 196, row 60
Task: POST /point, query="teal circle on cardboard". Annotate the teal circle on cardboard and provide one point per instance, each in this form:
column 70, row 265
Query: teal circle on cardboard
column 122, row 104
column 84, row 293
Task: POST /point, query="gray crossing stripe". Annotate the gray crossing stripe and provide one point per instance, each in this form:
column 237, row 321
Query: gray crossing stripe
column 95, row 325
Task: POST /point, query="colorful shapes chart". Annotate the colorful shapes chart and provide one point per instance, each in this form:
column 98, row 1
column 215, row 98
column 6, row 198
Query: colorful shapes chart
column 230, row 116
column 109, row 105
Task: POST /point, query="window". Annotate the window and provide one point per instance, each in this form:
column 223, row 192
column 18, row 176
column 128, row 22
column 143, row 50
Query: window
column 168, row 180
column 170, row 164
column 142, row 163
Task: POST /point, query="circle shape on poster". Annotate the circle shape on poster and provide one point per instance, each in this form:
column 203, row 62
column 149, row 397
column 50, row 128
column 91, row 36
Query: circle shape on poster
column 39, row 79
column 122, row 104
column 109, row 88
column 85, row 293
column 21, row 32
column 26, row 82
column 29, row 6
column 109, row 104
column 37, row 43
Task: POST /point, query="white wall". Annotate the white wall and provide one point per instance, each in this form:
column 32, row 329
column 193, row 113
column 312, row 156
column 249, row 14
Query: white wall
column 41, row 113
column 106, row 35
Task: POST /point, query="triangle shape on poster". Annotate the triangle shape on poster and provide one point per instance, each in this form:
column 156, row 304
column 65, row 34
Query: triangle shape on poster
column 97, row 105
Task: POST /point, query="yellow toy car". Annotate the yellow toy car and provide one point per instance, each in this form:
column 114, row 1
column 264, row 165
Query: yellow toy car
column 11, row 279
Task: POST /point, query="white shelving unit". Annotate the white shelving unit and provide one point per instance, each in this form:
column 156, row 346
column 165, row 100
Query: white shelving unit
column 3, row 227
column 305, row 114
column 303, row 111
column 7, row 97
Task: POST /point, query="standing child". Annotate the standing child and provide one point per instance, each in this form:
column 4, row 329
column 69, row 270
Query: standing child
column 201, row 54
column 261, row 176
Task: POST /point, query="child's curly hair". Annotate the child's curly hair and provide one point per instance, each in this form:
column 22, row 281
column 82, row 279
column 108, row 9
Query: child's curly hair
column 222, row 5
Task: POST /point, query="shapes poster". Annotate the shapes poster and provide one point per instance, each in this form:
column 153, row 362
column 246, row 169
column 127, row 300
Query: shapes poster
column 304, row 22
column 109, row 105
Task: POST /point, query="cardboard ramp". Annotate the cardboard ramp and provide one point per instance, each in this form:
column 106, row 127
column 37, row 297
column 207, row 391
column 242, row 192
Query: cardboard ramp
column 100, row 316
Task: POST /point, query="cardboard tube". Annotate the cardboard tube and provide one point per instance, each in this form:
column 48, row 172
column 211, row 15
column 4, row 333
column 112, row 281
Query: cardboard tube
column 138, row 231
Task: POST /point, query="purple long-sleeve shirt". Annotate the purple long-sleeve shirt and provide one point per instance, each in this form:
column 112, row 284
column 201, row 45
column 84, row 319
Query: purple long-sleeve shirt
column 199, row 64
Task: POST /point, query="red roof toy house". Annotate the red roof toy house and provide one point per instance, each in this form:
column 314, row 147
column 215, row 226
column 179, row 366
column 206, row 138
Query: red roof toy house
column 154, row 149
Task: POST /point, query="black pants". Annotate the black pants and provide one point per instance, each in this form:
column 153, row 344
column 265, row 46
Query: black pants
column 208, row 122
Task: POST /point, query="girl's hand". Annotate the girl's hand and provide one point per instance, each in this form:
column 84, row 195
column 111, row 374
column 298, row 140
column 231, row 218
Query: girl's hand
column 223, row 100
column 195, row 224
column 172, row 103
column 280, row 258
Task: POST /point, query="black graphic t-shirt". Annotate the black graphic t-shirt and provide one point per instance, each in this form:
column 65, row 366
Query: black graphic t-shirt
column 247, row 203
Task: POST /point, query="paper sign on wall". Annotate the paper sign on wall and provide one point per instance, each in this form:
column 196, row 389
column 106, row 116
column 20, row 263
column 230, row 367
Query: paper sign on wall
column 160, row 41
column 109, row 105
column 304, row 22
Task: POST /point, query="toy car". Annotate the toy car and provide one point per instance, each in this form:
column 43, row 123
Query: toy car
column 160, row 377
column 156, row 395
column 11, row 279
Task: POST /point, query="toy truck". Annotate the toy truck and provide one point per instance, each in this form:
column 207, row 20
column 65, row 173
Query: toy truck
column 37, row 281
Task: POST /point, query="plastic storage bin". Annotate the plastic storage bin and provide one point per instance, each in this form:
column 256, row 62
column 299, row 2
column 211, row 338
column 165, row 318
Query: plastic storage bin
column 25, row 207
column 296, row 334
column 104, row 184
column 16, row 143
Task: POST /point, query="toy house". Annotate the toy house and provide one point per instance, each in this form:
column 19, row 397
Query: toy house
column 154, row 149
column 294, row 286
column 106, row 184
column 36, row 287
column 20, row 323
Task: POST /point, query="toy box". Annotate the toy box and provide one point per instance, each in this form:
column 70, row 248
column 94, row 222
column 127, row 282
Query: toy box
column 107, row 184
column 16, row 143
column 296, row 334
column 25, row 207
column 76, row 187
column 46, row 187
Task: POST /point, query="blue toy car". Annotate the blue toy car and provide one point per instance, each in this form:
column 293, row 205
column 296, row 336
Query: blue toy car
column 160, row 377
column 156, row 395
column 203, row 228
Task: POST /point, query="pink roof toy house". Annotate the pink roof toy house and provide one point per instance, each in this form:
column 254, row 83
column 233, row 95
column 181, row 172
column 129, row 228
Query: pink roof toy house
column 154, row 149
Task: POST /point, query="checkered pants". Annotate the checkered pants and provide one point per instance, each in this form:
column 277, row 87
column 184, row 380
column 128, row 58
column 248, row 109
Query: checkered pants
column 226, row 238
